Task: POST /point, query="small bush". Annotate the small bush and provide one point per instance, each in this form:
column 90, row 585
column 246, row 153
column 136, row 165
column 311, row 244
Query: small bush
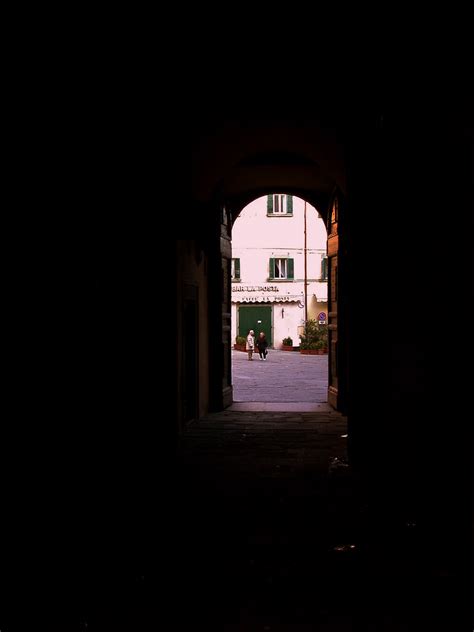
column 315, row 336
column 240, row 340
column 287, row 342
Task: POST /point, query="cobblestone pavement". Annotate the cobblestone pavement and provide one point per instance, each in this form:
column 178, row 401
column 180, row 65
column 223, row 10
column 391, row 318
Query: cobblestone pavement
column 275, row 535
column 284, row 377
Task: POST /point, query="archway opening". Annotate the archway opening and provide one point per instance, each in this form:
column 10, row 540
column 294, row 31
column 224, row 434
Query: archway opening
column 279, row 291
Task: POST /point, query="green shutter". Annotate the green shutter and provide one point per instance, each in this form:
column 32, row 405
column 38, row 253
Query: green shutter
column 290, row 270
column 289, row 204
column 269, row 203
column 237, row 268
column 272, row 268
column 324, row 268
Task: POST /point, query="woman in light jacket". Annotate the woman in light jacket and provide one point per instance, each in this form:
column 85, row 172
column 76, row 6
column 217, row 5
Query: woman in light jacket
column 250, row 343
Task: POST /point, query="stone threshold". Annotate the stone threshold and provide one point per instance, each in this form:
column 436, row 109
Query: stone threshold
column 282, row 407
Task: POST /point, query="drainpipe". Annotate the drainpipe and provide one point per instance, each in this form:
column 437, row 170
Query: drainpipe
column 305, row 271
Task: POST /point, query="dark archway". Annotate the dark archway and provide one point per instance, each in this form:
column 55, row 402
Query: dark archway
column 407, row 401
column 363, row 161
column 406, row 182
column 254, row 161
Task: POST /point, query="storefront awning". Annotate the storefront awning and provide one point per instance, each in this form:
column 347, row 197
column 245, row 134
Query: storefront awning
column 266, row 299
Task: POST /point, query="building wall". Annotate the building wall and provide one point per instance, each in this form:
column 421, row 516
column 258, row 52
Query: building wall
column 256, row 238
column 192, row 277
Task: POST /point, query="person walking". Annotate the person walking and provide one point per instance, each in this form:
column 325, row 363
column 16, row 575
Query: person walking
column 250, row 343
column 262, row 345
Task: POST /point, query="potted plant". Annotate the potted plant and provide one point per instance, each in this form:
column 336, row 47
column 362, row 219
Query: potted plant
column 310, row 348
column 314, row 338
column 320, row 347
column 240, row 343
column 323, row 337
column 287, row 344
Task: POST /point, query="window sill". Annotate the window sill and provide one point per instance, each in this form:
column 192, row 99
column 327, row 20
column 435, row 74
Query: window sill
column 279, row 214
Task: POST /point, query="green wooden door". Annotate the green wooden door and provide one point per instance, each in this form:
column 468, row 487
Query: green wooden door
column 256, row 317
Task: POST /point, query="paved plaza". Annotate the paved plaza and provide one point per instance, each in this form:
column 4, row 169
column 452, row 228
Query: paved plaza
column 286, row 376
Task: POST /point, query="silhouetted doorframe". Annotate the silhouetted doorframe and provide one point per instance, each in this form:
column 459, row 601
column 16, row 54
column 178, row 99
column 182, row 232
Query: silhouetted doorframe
column 190, row 349
column 337, row 304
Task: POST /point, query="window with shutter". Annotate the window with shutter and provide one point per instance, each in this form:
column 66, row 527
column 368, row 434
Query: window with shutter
column 235, row 270
column 281, row 268
column 324, row 268
column 279, row 204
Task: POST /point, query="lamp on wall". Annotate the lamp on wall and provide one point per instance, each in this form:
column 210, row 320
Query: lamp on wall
column 283, row 312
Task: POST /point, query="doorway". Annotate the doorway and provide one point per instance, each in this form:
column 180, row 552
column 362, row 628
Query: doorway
column 256, row 317
column 190, row 355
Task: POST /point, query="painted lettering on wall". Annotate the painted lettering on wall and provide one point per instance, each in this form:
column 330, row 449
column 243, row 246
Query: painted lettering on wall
column 255, row 288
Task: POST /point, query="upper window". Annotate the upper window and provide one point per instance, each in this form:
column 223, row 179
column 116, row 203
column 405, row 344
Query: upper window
column 235, row 270
column 279, row 204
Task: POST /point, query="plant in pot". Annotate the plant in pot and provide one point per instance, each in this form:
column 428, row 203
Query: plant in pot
column 240, row 343
column 287, row 344
column 323, row 337
column 312, row 348
column 320, row 347
column 311, row 338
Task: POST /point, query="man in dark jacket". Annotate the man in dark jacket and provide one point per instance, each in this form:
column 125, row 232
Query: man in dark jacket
column 262, row 345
